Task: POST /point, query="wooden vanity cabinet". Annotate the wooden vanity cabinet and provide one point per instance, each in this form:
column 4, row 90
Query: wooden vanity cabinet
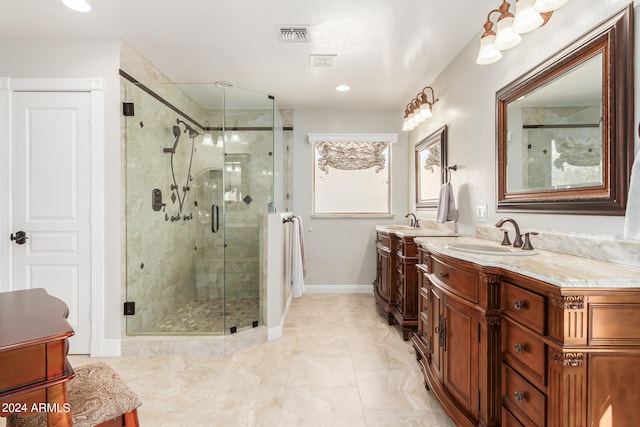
column 384, row 284
column 570, row 356
column 456, row 341
column 405, row 310
column 396, row 285
column 498, row 348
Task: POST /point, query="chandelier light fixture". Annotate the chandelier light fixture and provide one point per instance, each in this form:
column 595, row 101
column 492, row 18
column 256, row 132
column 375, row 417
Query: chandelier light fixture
column 418, row 110
column 530, row 15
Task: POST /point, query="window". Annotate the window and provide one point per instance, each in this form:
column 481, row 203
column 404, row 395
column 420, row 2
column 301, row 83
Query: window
column 351, row 174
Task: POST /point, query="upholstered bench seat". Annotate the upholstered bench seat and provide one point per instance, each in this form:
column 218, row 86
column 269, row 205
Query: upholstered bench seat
column 98, row 396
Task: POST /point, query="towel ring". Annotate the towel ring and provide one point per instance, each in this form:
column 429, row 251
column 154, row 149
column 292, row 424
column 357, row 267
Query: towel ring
column 448, row 172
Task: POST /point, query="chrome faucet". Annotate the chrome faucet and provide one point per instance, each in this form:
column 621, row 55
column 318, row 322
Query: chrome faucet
column 414, row 221
column 517, row 243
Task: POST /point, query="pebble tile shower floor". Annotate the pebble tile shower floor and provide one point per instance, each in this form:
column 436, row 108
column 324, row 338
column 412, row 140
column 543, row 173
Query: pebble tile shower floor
column 207, row 316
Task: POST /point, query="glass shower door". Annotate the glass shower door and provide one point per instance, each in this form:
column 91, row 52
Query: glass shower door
column 248, row 196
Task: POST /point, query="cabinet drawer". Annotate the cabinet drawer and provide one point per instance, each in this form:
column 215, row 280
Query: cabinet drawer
column 525, row 352
column 526, row 307
column 29, row 366
column 383, row 241
column 522, row 397
column 509, row 420
column 463, row 283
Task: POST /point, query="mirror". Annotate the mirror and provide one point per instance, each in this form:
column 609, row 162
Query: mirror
column 565, row 128
column 431, row 156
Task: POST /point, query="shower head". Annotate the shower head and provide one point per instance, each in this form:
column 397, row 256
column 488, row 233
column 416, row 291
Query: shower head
column 192, row 132
column 176, row 131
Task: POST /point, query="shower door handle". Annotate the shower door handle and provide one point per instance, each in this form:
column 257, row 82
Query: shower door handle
column 215, row 218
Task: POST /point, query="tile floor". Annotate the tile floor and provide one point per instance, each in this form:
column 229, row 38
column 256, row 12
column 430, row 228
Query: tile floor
column 338, row 364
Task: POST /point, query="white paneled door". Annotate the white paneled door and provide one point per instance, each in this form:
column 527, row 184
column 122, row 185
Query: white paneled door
column 51, row 201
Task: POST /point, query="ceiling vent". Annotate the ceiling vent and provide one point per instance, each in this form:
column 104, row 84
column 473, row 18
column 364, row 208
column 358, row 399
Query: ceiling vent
column 326, row 61
column 294, row 34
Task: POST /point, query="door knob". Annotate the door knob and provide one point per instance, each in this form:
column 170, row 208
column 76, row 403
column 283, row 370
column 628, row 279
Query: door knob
column 20, row 237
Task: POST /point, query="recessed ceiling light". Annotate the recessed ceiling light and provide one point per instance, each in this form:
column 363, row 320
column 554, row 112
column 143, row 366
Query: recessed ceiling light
column 77, row 5
column 342, row 88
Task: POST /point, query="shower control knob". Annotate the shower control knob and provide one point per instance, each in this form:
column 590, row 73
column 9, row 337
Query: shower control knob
column 20, row 237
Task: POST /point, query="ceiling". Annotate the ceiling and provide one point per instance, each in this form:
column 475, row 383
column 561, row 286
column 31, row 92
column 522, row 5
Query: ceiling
column 387, row 50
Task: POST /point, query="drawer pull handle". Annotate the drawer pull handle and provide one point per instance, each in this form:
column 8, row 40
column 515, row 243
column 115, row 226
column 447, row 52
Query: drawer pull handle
column 444, row 274
column 519, row 348
column 518, row 396
column 517, row 304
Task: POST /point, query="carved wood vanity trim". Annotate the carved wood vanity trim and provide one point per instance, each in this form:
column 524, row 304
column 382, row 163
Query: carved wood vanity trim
column 566, row 359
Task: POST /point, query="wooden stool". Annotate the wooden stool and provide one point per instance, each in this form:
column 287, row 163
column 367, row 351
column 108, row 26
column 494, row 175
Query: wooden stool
column 98, row 397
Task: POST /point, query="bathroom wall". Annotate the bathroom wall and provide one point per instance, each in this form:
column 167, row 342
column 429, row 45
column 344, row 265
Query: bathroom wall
column 73, row 58
column 340, row 252
column 467, row 105
column 466, row 93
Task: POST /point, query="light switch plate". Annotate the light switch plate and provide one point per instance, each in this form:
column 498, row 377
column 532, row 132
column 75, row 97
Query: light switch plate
column 481, row 212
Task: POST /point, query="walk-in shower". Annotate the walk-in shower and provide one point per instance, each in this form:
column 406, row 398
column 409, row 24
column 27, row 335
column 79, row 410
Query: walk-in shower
column 202, row 171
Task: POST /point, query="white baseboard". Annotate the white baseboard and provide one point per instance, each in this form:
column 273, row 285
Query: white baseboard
column 107, row 348
column 275, row 332
column 338, row 289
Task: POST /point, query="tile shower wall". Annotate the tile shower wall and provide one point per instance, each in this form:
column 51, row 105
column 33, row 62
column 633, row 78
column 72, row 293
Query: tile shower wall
column 188, row 262
column 160, row 251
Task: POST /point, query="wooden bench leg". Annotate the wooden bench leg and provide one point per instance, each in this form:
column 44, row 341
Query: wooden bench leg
column 131, row 419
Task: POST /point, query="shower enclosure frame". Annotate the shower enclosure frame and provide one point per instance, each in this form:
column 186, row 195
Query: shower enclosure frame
column 170, row 101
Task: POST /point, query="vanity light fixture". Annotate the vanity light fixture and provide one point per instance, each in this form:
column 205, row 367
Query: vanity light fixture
column 418, row 110
column 506, row 38
column 78, row 5
column 488, row 53
column 207, row 138
column 549, row 5
column 530, row 14
column 527, row 17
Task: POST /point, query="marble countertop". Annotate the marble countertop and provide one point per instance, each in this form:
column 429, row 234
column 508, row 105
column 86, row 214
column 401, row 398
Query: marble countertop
column 426, row 229
column 562, row 270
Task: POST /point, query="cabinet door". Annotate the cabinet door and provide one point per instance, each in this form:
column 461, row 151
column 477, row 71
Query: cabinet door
column 461, row 354
column 435, row 319
column 383, row 281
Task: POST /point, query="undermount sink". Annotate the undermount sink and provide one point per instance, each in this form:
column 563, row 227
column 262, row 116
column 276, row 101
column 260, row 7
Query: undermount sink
column 400, row 227
column 487, row 249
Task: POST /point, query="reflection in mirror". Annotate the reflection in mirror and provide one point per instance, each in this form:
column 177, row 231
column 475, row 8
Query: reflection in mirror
column 430, row 162
column 564, row 129
column 555, row 135
column 236, row 185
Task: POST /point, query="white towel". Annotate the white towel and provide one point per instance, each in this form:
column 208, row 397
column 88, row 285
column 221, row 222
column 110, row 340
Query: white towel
column 446, row 204
column 632, row 217
column 297, row 258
